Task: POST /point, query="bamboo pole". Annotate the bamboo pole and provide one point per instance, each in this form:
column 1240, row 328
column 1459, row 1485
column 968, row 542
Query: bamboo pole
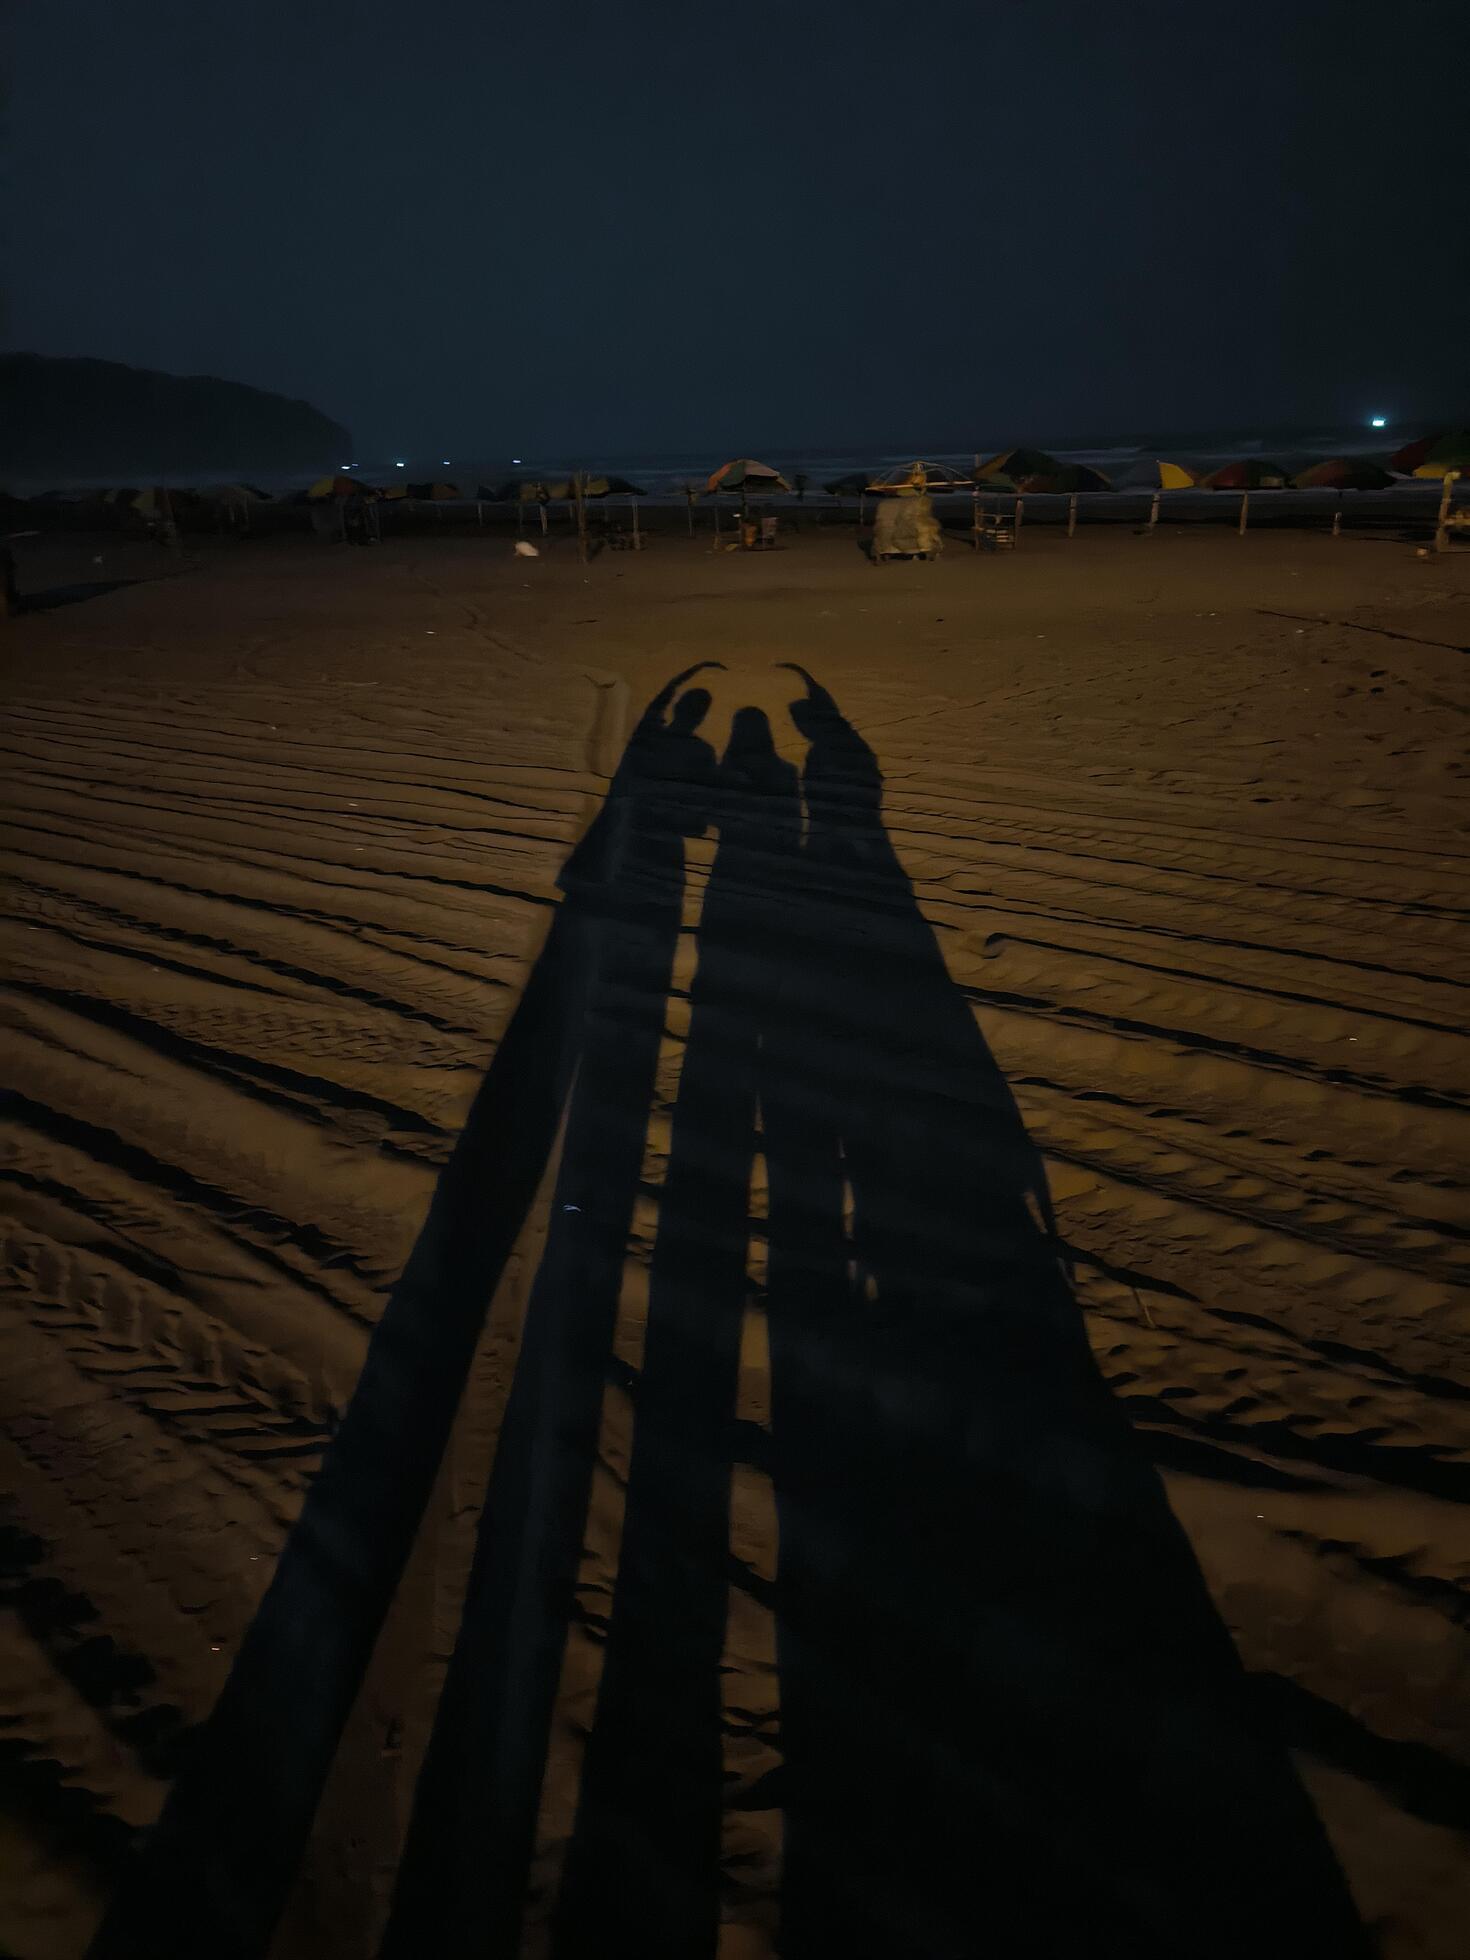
column 975, row 515
column 1337, row 518
column 542, row 508
column 1153, row 513
column 1442, row 523
column 637, row 534
column 1020, row 512
column 689, row 498
column 1072, row 515
column 1245, row 511
column 579, row 492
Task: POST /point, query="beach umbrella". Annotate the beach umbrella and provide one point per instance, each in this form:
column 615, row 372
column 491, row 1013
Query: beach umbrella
column 1020, row 463
column 1344, row 473
column 744, row 473
column 235, row 493
column 338, row 486
column 611, row 486
column 1155, row 474
column 1435, row 455
column 996, row 480
column 1254, row 473
column 1070, row 478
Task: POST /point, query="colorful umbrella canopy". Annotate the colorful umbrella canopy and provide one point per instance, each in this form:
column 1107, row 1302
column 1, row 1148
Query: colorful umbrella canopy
column 1434, row 455
column 1344, row 473
column 1155, row 474
column 1074, row 476
column 339, row 486
column 1021, row 463
column 1255, row 473
column 744, row 473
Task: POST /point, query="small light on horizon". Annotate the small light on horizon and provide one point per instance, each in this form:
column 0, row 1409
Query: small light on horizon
column 1380, row 421
column 515, row 459
column 446, row 462
column 400, row 466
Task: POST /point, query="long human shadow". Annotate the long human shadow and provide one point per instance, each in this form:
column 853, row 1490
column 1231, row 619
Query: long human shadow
column 214, row 1874
column 462, row 1878
column 642, row 1871
column 1011, row 1719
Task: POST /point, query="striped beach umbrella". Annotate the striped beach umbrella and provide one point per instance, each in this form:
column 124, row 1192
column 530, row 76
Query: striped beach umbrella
column 1155, row 474
column 744, row 473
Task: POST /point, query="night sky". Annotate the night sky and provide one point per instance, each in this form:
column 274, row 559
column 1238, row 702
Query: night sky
column 669, row 225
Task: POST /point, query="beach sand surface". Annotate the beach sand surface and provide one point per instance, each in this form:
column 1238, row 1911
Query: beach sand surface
column 283, row 827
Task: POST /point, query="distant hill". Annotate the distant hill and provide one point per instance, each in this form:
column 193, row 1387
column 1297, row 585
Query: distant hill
column 77, row 418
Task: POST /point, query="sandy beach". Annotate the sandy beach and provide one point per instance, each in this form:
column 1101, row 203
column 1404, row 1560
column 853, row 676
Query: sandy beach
column 1185, row 817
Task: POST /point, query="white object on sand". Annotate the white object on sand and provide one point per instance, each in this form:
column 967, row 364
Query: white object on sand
column 524, row 550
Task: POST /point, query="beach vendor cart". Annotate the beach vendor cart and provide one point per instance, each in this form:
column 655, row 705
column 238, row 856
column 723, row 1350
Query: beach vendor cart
column 904, row 524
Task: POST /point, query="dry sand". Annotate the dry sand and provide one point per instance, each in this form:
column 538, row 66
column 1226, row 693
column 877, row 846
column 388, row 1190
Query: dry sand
column 1188, row 815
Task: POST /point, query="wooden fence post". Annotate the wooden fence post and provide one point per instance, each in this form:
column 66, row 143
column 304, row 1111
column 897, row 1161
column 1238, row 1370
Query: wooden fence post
column 1153, row 513
column 1072, row 515
column 1245, row 506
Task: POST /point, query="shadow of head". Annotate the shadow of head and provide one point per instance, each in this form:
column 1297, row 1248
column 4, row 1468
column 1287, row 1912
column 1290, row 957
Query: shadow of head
column 689, row 710
column 751, row 741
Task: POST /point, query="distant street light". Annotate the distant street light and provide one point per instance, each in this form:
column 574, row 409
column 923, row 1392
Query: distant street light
column 400, row 466
column 1380, row 421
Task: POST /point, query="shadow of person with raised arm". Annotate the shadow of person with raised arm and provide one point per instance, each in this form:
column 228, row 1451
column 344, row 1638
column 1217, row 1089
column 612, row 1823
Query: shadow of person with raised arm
column 642, row 1871
column 214, row 1875
column 1011, row 1719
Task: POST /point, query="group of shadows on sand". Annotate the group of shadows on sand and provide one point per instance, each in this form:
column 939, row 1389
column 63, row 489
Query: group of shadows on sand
column 1011, row 1721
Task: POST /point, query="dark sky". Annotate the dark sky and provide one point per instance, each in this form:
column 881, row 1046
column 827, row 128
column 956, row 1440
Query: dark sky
column 634, row 225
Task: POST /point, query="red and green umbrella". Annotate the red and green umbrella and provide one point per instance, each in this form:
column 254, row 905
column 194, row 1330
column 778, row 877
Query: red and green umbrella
column 744, row 473
column 1255, row 473
column 1344, row 473
column 1434, row 455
